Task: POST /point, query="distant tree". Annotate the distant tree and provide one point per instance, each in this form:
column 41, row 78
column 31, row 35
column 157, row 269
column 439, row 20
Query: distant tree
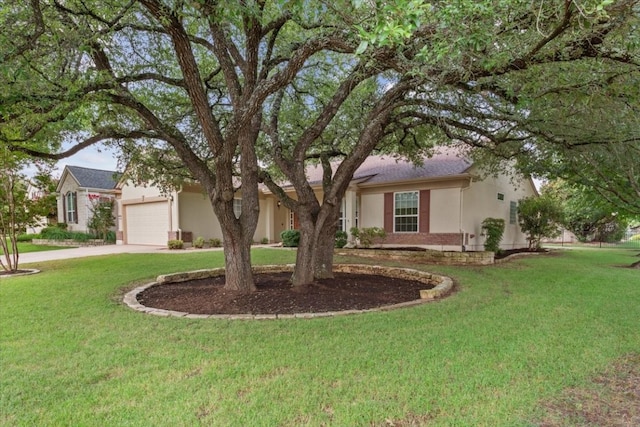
column 17, row 210
column 539, row 217
column 586, row 213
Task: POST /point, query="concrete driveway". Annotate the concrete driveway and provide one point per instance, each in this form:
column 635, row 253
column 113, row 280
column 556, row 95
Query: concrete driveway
column 88, row 251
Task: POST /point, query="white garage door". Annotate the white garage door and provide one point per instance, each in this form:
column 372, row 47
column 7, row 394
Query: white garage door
column 147, row 223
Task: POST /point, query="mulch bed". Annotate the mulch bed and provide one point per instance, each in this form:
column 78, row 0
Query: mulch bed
column 275, row 295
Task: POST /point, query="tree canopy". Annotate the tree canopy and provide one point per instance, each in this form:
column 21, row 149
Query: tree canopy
column 214, row 91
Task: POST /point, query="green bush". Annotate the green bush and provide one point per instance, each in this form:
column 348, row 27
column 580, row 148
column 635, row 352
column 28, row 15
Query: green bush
column 368, row 235
column 635, row 238
column 341, row 238
column 290, row 238
column 493, row 228
column 80, row 237
column 111, row 236
column 198, row 243
column 62, row 225
column 215, row 242
column 54, row 233
column 264, row 241
column 27, row 237
column 175, row 244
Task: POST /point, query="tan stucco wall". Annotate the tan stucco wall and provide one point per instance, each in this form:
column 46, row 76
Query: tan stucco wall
column 481, row 201
column 371, row 210
column 445, row 211
column 196, row 215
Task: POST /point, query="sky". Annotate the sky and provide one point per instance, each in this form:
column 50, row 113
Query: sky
column 94, row 157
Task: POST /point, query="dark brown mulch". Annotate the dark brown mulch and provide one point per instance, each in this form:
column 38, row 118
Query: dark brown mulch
column 11, row 273
column 505, row 253
column 275, row 295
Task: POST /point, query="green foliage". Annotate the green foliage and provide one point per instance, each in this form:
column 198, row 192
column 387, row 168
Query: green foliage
column 493, row 228
column 102, row 218
column 586, row 213
column 264, row 241
column 539, row 218
column 55, row 233
column 368, row 235
column 62, row 225
column 341, row 239
column 175, row 244
column 215, row 242
column 290, row 238
column 635, row 238
column 111, row 236
column 27, row 237
column 198, row 242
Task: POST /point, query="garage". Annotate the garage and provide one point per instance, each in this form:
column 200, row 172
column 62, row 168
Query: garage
column 147, row 223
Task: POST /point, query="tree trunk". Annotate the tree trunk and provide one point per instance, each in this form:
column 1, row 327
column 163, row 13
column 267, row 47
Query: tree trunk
column 314, row 259
column 237, row 261
column 304, row 269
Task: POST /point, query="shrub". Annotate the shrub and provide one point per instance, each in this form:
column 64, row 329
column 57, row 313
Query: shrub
column 368, row 235
column 80, row 237
column 290, row 238
column 175, row 244
column 264, row 241
column 341, row 238
column 635, row 238
column 493, row 228
column 215, row 242
column 62, row 225
column 198, row 243
column 27, row 237
column 539, row 217
column 111, row 236
column 54, row 233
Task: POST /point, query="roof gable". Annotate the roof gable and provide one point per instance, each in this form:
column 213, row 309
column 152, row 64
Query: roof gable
column 386, row 169
column 92, row 178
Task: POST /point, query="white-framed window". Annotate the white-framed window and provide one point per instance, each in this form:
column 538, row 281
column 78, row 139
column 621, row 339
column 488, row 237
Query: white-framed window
column 513, row 212
column 342, row 221
column 71, row 206
column 237, row 207
column 405, row 212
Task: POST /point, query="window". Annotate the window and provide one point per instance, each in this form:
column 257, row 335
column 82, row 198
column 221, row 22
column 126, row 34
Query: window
column 405, row 212
column 342, row 221
column 237, row 207
column 71, row 208
column 513, row 210
column 500, row 196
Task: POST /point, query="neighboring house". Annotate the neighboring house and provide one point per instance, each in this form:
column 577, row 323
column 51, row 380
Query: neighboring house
column 79, row 190
column 438, row 205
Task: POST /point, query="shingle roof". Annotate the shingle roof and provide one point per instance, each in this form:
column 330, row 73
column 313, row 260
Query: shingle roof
column 94, row 178
column 383, row 169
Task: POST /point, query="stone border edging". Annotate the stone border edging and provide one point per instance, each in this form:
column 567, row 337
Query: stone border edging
column 27, row 272
column 443, row 287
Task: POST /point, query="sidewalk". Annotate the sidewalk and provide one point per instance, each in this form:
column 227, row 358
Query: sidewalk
column 57, row 254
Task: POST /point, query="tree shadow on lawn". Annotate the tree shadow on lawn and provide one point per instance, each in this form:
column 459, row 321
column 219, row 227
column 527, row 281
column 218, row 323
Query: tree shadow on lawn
column 612, row 399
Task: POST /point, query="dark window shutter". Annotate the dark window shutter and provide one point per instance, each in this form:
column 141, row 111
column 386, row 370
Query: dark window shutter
column 64, row 208
column 423, row 218
column 75, row 208
column 388, row 212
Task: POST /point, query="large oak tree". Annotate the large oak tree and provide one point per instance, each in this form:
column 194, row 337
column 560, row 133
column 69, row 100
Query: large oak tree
column 212, row 88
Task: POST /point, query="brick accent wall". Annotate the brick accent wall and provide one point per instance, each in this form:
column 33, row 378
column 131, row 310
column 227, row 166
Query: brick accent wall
column 187, row 236
column 448, row 239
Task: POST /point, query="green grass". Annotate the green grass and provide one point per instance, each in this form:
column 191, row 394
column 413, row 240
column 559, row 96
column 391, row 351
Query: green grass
column 25, row 247
column 512, row 335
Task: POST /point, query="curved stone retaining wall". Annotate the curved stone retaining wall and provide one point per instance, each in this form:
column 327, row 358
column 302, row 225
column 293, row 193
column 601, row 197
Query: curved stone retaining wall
column 428, row 256
column 443, row 285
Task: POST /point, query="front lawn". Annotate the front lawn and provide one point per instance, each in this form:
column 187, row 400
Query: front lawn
column 511, row 337
column 25, row 247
